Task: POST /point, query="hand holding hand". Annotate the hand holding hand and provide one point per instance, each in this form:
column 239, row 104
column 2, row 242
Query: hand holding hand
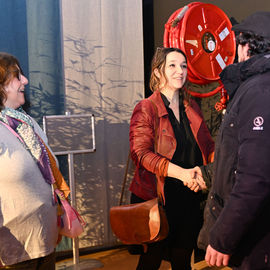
column 195, row 182
column 192, row 178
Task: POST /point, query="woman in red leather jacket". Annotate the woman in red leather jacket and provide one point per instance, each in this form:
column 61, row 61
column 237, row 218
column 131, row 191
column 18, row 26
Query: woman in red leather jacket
column 167, row 137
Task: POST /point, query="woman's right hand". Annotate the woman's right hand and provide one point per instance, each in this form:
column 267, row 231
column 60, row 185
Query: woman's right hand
column 195, row 182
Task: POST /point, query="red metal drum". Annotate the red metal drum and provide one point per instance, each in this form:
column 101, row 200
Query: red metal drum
column 203, row 32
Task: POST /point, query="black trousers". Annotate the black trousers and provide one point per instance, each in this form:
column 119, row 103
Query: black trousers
column 156, row 252
column 151, row 260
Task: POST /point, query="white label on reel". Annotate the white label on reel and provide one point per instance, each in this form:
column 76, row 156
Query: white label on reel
column 211, row 45
column 220, row 61
column 200, row 28
column 193, row 42
column 224, row 34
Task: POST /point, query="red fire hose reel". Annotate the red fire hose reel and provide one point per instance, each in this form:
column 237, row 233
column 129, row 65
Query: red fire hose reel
column 203, row 32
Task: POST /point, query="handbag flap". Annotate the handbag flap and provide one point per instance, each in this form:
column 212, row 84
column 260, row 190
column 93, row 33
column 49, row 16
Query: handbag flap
column 136, row 223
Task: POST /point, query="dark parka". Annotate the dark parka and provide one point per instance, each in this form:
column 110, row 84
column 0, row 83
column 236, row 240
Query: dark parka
column 237, row 214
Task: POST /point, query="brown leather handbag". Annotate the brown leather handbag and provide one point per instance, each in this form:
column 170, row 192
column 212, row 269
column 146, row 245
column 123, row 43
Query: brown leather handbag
column 139, row 223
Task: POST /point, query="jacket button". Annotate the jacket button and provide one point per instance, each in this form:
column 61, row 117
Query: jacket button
column 213, row 208
column 231, row 124
column 235, row 172
column 163, row 130
column 212, row 197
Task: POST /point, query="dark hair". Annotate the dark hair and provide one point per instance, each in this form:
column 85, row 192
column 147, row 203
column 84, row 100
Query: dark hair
column 257, row 44
column 8, row 70
column 158, row 62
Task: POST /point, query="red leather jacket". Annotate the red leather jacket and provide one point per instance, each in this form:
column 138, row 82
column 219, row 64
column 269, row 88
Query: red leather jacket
column 149, row 120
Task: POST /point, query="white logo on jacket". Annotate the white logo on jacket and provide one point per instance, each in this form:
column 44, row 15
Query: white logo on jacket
column 258, row 122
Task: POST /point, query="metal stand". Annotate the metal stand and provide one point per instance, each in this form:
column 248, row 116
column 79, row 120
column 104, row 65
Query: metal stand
column 75, row 242
column 85, row 264
column 77, row 264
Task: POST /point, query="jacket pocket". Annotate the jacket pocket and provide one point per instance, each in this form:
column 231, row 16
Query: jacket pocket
column 212, row 210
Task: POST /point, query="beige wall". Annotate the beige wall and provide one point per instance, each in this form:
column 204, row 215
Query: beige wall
column 239, row 9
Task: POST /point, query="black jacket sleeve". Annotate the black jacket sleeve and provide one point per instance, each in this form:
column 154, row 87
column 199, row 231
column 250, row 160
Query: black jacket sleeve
column 207, row 173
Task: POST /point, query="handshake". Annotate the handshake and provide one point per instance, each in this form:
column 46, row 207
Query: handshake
column 193, row 179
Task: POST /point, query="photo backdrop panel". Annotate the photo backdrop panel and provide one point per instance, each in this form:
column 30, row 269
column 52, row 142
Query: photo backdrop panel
column 104, row 75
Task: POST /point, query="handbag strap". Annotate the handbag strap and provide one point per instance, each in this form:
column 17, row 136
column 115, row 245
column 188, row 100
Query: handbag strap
column 155, row 125
column 125, row 179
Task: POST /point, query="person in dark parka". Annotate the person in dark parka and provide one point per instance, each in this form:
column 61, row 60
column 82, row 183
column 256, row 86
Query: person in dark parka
column 236, row 230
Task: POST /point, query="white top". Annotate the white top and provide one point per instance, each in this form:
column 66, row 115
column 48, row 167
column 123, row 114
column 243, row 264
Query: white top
column 28, row 218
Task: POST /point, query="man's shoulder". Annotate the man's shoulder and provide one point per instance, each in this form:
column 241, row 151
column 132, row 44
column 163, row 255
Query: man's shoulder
column 257, row 84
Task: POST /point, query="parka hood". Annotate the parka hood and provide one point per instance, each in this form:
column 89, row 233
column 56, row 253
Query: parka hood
column 233, row 75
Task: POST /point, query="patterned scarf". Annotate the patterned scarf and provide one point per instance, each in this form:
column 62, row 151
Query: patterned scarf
column 22, row 124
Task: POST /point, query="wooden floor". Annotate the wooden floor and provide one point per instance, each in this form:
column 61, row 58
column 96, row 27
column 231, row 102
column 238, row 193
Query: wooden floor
column 117, row 259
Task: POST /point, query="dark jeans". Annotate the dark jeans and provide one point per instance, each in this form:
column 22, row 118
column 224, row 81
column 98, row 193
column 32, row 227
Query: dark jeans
column 42, row 263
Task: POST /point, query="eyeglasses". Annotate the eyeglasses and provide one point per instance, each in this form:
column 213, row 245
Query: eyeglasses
column 17, row 73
